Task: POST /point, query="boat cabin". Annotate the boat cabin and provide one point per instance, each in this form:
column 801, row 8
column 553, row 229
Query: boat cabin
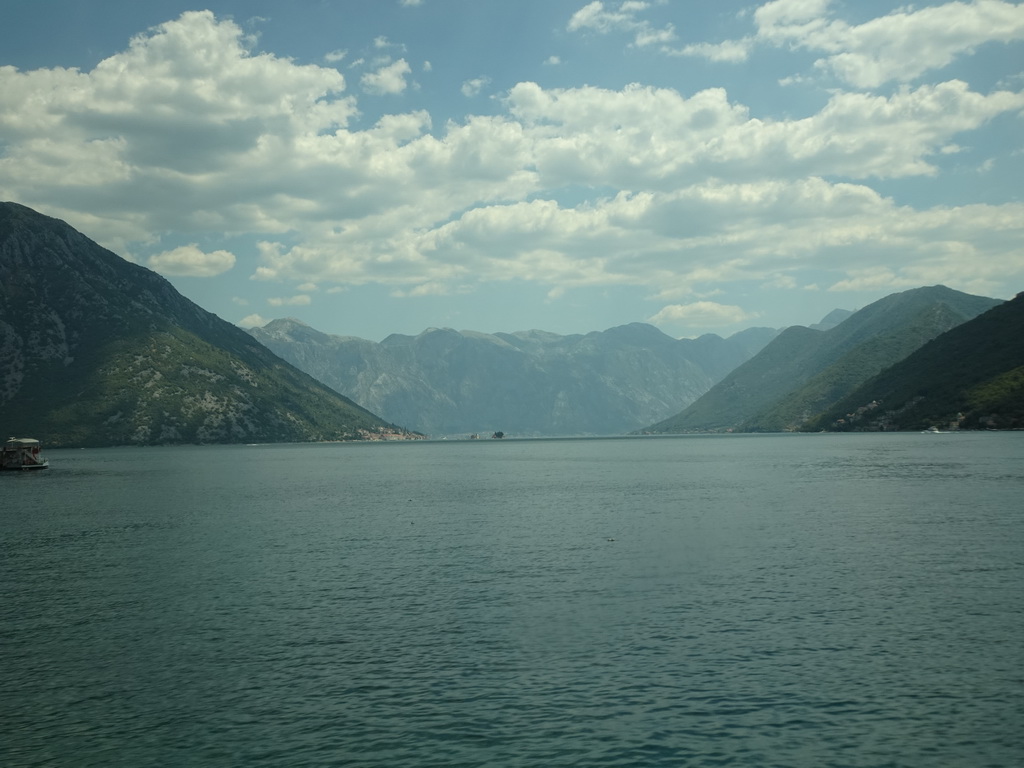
column 22, row 453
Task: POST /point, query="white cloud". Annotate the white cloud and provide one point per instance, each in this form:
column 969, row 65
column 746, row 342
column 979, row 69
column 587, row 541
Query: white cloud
column 473, row 87
column 593, row 16
column 252, row 321
column 185, row 102
column 649, row 36
column 731, row 51
column 301, row 300
column 870, row 279
column 788, row 13
column 900, row 46
column 581, row 135
column 389, row 79
column 713, row 234
column 431, row 288
column 189, row 131
column 335, row 56
column 701, row 314
column 189, row 260
column 596, row 17
column 410, row 3
column 265, row 273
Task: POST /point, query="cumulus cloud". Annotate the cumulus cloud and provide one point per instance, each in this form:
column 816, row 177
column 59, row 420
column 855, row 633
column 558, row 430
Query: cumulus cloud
column 301, row 300
column 582, row 137
column 731, row 51
column 186, row 102
column 473, row 87
column 189, row 260
column 252, row 321
column 429, row 289
column 900, row 46
column 596, row 17
column 190, row 131
column 700, row 314
column 389, row 79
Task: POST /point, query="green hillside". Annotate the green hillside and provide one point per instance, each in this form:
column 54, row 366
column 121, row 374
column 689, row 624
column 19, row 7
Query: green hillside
column 971, row 377
column 97, row 351
column 803, row 371
column 860, row 363
column 751, row 387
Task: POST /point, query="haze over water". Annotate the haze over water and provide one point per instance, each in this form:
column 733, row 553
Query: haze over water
column 782, row 600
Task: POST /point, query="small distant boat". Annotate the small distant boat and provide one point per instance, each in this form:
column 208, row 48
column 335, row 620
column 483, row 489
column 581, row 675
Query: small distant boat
column 22, row 453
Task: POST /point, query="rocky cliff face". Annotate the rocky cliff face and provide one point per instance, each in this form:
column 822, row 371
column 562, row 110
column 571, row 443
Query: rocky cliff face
column 447, row 382
column 97, row 351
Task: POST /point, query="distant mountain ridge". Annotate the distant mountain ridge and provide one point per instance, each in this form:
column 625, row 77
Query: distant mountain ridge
column 803, row 371
column 447, row 382
column 97, row 351
column 971, row 377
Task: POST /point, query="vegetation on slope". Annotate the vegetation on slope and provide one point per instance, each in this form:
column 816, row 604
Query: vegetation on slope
column 971, row 377
column 856, row 366
column 751, row 387
column 804, row 371
column 97, row 351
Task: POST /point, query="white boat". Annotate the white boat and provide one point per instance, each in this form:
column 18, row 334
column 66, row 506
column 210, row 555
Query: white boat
column 22, row 453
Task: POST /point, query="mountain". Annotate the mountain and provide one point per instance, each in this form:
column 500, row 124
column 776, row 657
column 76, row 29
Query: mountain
column 831, row 320
column 804, row 371
column 446, row 382
column 971, row 377
column 97, row 351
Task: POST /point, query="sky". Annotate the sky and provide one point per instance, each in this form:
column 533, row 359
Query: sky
column 386, row 166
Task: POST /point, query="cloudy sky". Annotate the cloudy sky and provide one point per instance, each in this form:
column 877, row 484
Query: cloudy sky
column 381, row 166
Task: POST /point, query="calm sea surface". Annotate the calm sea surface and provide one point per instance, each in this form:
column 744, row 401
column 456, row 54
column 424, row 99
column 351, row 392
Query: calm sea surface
column 816, row 600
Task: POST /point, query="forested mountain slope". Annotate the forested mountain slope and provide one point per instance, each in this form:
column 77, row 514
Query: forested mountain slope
column 804, row 371
column 97, row 351
column 971, row 377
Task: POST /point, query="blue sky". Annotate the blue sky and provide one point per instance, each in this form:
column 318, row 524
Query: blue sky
column 384, row 166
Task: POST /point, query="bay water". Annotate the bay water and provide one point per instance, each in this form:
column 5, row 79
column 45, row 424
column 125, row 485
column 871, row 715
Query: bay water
column 776, row 600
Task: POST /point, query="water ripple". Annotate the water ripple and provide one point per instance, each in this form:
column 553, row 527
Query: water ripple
column 591, row 603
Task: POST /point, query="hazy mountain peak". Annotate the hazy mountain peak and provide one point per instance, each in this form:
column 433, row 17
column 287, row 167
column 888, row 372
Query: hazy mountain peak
column 832, row 319
column 639, row 333
column 285, row 322
column 533, row 382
